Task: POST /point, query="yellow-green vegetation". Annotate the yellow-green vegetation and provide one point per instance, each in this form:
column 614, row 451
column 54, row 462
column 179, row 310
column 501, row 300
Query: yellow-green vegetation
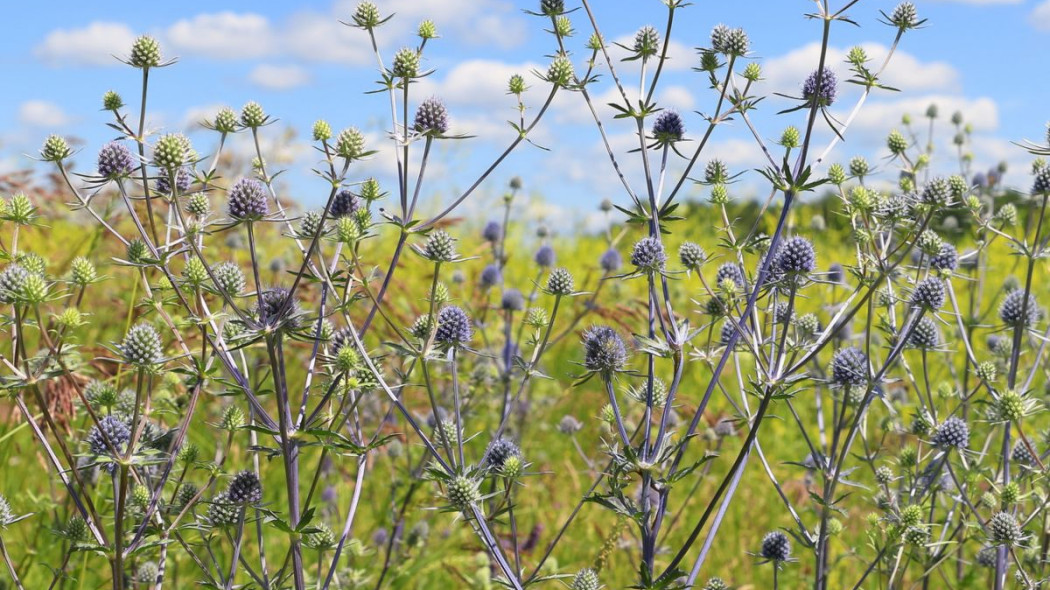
column 561, row 466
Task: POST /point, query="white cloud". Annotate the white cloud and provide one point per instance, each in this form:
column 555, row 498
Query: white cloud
column 478, row 82
column 321, row 37
column 1040, row 16
column 223, row 35
column 493, row 23
column 981, row 2
column 679, row 56
column 40, row 113
column 786, row 73
column 982, row 113
column 95, row 44
column 275, row 77
column 193, row 118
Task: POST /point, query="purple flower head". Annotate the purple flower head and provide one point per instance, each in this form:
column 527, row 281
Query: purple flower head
column 432, row 117
column 493, row 232
column 604, row 351
column 545, row 256
column 827, row 88
column 611, row 261
column 182, row 182
column 344, row 204
column 248, row 200
column 491, row 276
column 668, row 127
column 454, row 326
column 115, row 160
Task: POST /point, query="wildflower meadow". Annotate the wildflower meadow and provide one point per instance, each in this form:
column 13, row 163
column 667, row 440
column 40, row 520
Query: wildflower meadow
column 825, row 371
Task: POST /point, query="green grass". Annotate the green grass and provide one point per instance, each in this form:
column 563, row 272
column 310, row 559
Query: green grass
column 452, row 557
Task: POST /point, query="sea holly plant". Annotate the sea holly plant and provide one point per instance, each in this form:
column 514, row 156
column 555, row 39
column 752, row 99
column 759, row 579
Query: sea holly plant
column 360, row 395
column 213, row 327
column 903, row 282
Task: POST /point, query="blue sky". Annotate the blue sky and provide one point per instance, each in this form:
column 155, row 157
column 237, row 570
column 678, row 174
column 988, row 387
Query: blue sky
column 978, row 57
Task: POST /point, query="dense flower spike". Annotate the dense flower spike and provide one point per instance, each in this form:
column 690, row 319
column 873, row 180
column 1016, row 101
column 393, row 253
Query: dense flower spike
column 925, row 334
column 245, row 488
column 560, row 72
column 716, row 584
column 731, row 271
column 646, row 42
column 253, row 115
column 112, row 429
column 904, row 16
column 141, row 346
column 225, row 120
column 560, row 282
column 248, row 200
column 1018, row 310
column 648, row 255
column 55, row 149
column 222, row 512
column 691, row 256
column 492, row 232
column 952, row 433
column 585, row 579
column 491, row 276
column 275, row 309
column 545, row 256
column 947, row 258
column 431, row 117
column 115, row 160
column 454, row 326
column 145, row 53
column 611, row 261
column 366, row 15
column 1003, row 529
column 849, row 367
column 776, row 547
column 344, row 204
column 795, row 257
column 604, row 351
column 350, row 144
column 929, row 293
column 1041, row 185
column 498, row 452
column 463, row 492
column 182, row 182
column 512, row 300
column 171, row 152
column 229, row 278
column 440, row 247
column 821, row 91
column 668, row 127
column 13, row 280
column 937, row 192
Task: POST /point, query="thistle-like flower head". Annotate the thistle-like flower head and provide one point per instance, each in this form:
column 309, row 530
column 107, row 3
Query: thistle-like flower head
column 545, row 256
column 849, row 367
column 432, row 117
column 952, row 433
column 604, row 351
column 115, row 161
column 248, row 200
column 1017, row 310
column 455, row 328
column 648, row 255
column 245, row 488
column 141, row 346
column 820, row 86
column 929, row 293
column 776, row 547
